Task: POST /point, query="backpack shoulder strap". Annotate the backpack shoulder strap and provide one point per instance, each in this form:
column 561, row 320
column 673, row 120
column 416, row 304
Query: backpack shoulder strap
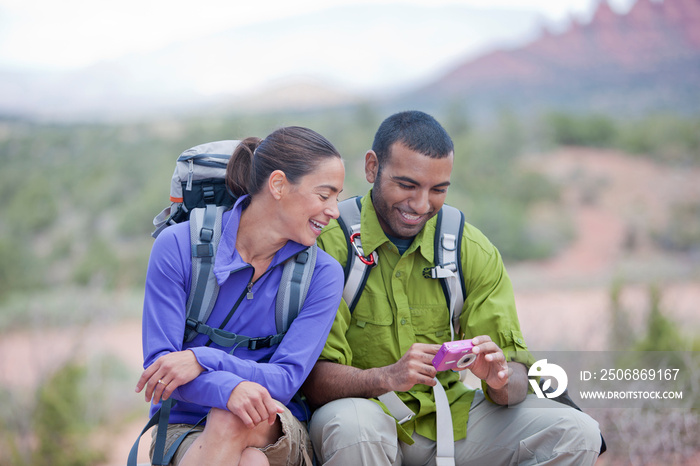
column 357, row 266
column 205, row 233
column 294, row 285
column 448, row 265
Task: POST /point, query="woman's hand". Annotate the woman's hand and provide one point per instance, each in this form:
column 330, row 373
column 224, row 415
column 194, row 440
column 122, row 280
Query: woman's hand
column 252, row 403
column 167, row 373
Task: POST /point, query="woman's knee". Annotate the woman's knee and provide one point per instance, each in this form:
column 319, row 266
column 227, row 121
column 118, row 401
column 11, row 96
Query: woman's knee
column 224, row 420
column 253, row 457
column 224, row 426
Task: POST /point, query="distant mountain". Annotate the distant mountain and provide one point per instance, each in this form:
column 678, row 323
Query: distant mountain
column 337, row 54
column 645, row 60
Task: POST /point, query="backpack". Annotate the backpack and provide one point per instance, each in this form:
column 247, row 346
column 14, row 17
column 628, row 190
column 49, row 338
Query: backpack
column 198, row 193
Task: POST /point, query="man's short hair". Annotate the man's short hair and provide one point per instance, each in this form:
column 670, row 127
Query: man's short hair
column 416, row 130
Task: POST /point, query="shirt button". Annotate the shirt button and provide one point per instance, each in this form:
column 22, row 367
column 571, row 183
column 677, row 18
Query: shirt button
column 398, row 274
column 403, row 321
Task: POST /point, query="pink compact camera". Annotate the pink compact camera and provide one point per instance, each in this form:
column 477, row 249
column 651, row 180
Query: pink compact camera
column 455, row 355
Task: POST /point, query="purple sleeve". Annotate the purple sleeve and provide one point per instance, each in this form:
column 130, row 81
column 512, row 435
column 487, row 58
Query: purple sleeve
column 165, row 300
column 167, row 282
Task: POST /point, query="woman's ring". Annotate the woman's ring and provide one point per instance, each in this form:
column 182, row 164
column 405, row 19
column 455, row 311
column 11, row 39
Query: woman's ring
column 161, row 381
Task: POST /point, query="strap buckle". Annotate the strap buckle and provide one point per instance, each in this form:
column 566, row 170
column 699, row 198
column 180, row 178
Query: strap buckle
column 257, row 343
column 440, row 271
column 367, row 260
column 191, row 324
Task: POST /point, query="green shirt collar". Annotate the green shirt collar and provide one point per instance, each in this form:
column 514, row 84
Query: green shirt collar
column 373, row 236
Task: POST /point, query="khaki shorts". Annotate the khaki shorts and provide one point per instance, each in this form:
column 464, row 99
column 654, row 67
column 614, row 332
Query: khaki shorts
column 292, row 449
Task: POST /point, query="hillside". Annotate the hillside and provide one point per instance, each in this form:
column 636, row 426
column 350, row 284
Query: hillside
column 645, row 60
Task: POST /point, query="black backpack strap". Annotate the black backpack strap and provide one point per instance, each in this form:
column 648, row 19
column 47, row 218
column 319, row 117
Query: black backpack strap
column 160, row 456
column 159, row 418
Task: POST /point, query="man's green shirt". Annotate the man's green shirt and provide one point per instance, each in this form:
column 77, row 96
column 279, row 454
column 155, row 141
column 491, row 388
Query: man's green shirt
column 399, row 307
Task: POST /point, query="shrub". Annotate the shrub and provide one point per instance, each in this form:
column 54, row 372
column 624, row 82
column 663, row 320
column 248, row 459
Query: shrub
column 59, row 421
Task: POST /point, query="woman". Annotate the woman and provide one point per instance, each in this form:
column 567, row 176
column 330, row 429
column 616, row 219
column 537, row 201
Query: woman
column 288, row 185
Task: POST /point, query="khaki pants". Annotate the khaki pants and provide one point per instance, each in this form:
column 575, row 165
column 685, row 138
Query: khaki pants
column 355, row 431
column 290, row 450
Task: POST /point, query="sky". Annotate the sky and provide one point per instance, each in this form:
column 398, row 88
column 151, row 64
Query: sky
column 52, row 33
column 73, row 34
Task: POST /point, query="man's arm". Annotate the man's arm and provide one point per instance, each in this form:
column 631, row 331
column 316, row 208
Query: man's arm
column 330, row 381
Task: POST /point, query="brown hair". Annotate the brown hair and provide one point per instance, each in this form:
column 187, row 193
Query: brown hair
column 293, row 149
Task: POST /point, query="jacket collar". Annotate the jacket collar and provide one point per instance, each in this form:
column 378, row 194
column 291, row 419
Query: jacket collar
column 227, row 260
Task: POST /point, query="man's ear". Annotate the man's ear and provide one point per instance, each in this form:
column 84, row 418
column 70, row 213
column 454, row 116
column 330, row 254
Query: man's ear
column 276, row 183
column 371, row 166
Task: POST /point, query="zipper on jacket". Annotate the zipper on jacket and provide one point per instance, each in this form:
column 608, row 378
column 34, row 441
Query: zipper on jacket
column 247, row 292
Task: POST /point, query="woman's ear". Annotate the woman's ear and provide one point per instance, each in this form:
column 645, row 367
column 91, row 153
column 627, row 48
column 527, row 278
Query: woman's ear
column 276, row 183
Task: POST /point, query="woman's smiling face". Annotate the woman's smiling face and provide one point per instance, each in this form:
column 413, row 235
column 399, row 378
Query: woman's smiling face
column 313, row 202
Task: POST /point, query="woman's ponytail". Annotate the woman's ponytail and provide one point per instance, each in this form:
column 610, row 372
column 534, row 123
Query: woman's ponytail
column 238, row 171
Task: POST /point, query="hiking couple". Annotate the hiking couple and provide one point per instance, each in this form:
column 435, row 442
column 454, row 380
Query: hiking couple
column 331, row 385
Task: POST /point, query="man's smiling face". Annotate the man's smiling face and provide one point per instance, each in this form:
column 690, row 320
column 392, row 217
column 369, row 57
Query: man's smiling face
column 408, row 189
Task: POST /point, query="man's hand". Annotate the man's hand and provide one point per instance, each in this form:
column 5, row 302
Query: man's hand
column 252, row 403
column 330, row 381
column 507, row 381
column 490, row 365
column 167, row 373
column 414, row 367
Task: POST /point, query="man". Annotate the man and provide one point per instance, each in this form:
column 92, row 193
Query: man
column 387, row 343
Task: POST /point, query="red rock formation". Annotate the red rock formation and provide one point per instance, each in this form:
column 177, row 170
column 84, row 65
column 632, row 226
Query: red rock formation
column 655, row 44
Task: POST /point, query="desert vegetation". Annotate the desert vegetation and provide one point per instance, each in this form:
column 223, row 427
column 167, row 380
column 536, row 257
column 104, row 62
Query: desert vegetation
column 75, row 224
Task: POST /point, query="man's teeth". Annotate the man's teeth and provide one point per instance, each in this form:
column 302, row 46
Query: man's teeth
column 409, row 216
